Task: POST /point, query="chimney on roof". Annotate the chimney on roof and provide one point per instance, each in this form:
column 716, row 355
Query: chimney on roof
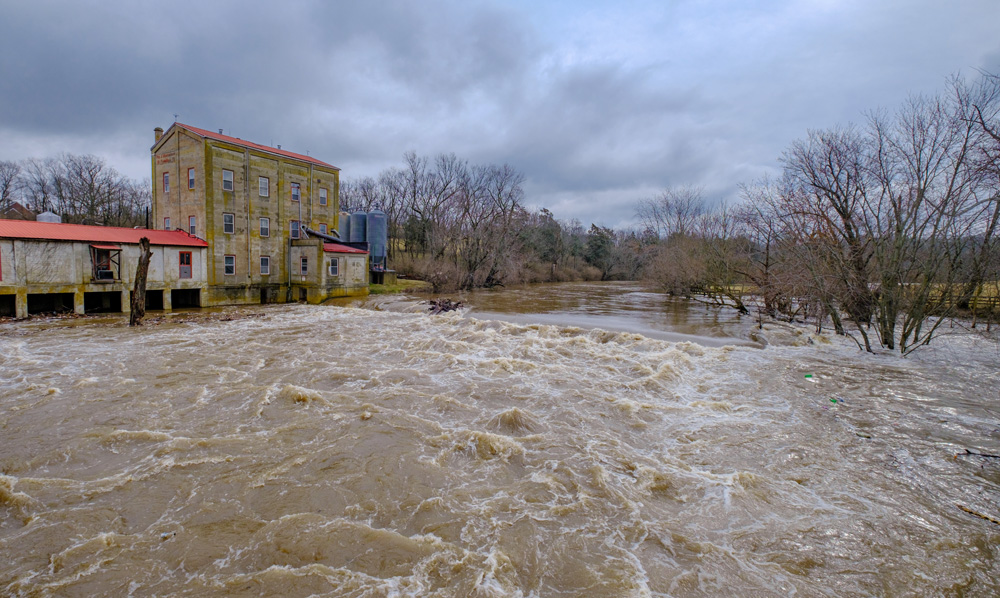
column 279, row 146
column 220, row 131
column 158, row 132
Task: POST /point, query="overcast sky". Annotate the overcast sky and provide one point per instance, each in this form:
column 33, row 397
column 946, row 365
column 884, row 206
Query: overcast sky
column 599, row 104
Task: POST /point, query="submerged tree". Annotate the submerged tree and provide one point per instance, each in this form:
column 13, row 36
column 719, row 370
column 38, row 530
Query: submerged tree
column 890, row 227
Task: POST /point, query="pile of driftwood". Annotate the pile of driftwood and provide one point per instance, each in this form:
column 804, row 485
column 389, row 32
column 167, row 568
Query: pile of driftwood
column 441, row 305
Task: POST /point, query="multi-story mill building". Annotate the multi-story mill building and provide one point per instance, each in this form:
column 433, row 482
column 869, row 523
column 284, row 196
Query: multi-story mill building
column 253, row 204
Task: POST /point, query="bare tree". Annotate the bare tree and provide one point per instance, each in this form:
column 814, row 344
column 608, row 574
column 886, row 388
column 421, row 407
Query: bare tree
column 84, row 189
column 37, row 185
column 830, row 176
column 675, row 211
column 10, row 173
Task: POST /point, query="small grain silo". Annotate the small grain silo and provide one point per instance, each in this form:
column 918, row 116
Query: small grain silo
column 378, row 238
column 359, row 227
column 344, row 227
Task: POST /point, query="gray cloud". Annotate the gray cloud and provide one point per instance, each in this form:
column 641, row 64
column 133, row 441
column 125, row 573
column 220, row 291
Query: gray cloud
column 598, row 105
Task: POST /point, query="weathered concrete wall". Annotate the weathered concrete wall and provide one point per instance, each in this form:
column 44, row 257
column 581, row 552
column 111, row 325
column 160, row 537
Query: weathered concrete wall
column 61, row 267
column 52, row 262
column 8, row 273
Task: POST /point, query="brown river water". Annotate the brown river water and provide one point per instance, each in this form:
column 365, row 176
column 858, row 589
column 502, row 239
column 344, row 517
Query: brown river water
column 560, row 440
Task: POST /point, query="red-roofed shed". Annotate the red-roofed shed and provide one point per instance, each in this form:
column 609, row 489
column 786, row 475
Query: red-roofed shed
column 52, row 267
column 56, row 231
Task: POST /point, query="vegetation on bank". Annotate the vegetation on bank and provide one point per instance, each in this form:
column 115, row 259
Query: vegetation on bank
column 402, row 285
column 878, row 230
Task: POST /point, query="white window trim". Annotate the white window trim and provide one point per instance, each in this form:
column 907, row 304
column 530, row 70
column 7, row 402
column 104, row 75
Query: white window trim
column 225, row 265
column 322, row 197
column 166, row 182
column 232, row 180
column 231, row 225
column 193, row 225
column 296, row 196
column 333, row 269
column 294, row 229
column 166, row 223
column 265, row 265
column 265, row 231
column 191, row 175
column 263, row 183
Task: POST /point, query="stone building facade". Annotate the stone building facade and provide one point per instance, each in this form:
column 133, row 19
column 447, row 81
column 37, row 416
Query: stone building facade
column 252, row 204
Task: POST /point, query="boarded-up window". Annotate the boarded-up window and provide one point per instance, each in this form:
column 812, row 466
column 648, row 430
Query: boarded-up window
column 185, row 264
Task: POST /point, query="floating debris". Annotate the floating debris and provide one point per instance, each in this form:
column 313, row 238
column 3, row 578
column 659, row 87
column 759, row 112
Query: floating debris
column 441, row 305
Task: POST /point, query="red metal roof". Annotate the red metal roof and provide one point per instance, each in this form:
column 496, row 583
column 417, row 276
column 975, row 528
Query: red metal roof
column 250, row 144
column 52, row 231
column 338, row 248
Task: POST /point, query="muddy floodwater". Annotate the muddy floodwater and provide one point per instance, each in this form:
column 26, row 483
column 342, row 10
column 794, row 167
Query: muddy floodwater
column 570, row 440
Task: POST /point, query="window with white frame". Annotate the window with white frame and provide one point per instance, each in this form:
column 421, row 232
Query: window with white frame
column 230, row 265
column 227, row 180
column 265, row 227
column 166, row 223
column 322, row 197
column 265, row 265
column 228, row 223
column 322, row 227
column 296, row 191
column 294, row 230
column 303, row 265
column 263, row 186
column 193, row 225
column 166, row 182
column 190, row 178
column 334, row 268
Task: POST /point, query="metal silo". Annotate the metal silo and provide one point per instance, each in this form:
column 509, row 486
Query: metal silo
column 344, row 227
column 359, row 224
column 378, row 237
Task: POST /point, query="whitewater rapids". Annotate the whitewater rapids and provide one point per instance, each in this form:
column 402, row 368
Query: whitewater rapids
column 334, row 451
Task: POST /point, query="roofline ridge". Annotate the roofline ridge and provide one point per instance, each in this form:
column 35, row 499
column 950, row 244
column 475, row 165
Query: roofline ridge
column 206, row 134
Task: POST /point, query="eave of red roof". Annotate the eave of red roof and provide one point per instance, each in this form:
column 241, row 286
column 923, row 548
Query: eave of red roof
column 244, row 143
column 54, row 231
column 338, row 248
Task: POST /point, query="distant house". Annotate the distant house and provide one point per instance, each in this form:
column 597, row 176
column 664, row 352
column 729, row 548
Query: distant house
column 15, row 211
column 73, row 267
column 264, row 213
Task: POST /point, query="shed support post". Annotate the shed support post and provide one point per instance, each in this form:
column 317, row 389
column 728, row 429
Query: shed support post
column 21, row 304
column 78, row 304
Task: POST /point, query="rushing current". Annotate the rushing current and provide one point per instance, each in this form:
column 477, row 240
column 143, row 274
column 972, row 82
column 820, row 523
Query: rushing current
column 569, row 446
